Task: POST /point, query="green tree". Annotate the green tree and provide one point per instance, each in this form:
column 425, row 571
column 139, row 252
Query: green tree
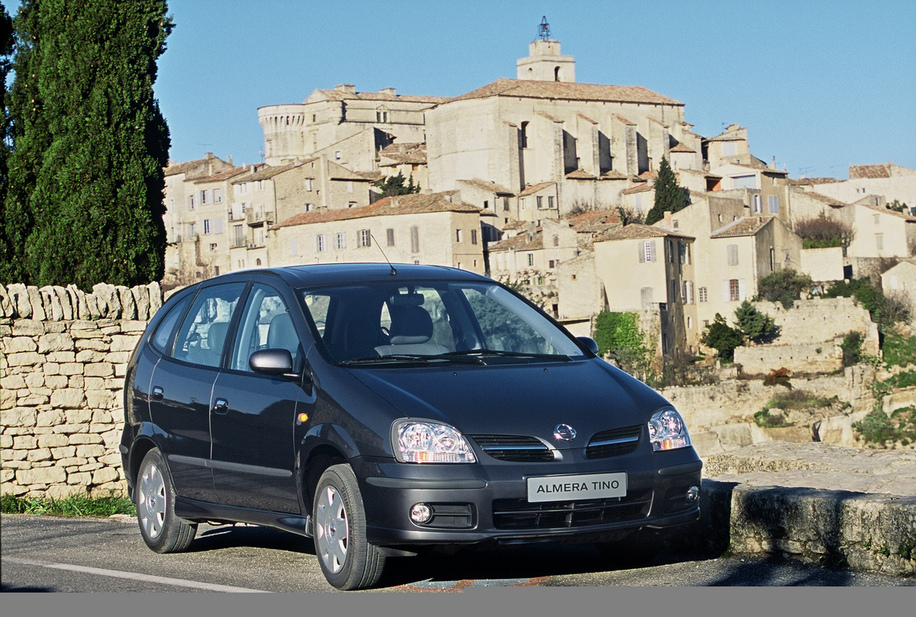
column 757, row 326
column 395, row 185
column 669, row 197
column 6, row 51
column 784, row 286
column 722, row 337
column 89, row 142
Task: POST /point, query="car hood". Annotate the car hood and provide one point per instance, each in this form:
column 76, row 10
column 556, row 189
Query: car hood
column 518, row 399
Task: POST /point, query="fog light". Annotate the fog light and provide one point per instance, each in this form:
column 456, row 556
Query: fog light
column 421, row 513
column 693, row 494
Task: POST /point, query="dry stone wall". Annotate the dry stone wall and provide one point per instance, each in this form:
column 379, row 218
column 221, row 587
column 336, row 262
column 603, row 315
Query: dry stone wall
column 63, row 356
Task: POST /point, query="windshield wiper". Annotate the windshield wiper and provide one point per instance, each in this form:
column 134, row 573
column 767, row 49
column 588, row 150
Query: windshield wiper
column 408, row 358
column 507, row 354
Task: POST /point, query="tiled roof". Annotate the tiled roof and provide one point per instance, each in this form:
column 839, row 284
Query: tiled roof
column 613, row 175
column 869, row 171
column 264, row 172
column 811, row 181
column 219, row 176
column 341, row 95
column 549, row 117
column 532, row 89
column 830, row 201
column 682, row 147
column 579, row 174
column 594, row 221
column 486, row 185
column 389, row 206
column 586, row 118
column 636, row 231
column 406, row 154
column 534, row 188
column 520, row 242
column 623, row 120
column 641, row 188
column 745, row 226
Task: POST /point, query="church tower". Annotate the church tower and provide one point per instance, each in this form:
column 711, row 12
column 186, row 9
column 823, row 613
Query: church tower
column 544, row 62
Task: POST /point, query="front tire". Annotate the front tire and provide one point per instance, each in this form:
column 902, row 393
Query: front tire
column 348, row 561
column 154, row 497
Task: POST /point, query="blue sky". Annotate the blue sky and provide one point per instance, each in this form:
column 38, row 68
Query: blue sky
column 819, row 85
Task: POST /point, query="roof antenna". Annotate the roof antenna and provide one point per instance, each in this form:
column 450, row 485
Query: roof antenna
column 393, row 271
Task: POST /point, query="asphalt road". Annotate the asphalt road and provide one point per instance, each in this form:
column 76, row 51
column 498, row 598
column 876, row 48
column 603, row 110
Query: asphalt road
column 50, row 554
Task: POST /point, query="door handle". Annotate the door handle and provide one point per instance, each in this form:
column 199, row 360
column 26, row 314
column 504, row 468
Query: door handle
column 221, row 406
column 157, row 393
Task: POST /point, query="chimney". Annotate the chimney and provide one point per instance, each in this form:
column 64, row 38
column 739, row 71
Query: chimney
column 389, row 91
column 348, row 88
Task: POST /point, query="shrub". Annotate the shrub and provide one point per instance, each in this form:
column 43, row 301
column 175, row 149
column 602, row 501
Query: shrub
column 722, row 337
column 784, row 286
column 852, row 348
column 823, row 232
column 618, row 334
column 755, row 325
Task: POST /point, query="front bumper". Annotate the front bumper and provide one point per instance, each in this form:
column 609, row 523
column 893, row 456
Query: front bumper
column 487, row 502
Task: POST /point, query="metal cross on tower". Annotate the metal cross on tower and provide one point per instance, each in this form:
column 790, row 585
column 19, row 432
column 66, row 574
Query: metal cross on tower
column 544, row 29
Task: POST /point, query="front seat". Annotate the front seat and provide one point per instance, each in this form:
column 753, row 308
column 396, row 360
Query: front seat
column 410, row 333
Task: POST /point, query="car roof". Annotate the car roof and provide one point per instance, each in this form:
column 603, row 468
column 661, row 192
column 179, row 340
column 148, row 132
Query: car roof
column 337, row 273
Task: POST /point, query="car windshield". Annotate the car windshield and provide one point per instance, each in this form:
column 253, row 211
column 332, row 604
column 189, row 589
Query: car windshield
column 377, row 324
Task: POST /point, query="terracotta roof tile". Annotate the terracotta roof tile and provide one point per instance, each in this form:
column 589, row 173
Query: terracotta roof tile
column 486, row 185
column 389, row 206
column 568, row 91
column 869, row 171
column 534, row 188
column 636, row 231
column 744, row 226
column 580, row 174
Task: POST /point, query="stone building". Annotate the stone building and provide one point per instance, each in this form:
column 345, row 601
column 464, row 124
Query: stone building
column 432, row 228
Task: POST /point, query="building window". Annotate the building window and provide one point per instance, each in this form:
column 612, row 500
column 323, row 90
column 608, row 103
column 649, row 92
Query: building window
column 683, row 252
column 556, row 240
column 669, row 249
column 530, row 259
column 365, row 237
column 505, row 204
column 702, row 294
column 473, row 236
column 337, row 155
column 321, row 243
column 733, row 254
column 414, row 239
column 551, row 264
column 192, row 230
column 389, row 234
column 879, row 242
column 540, row 202
column 341, row 240
column 877, row 219
column 688, row 292
column 734, row 290
column 190, row 202
column 457, row 235
column 309, row 184
column 523, row 136
column 215, row 270
column 218, row 196
column 774, row 204
column 647, row 251
column 206, row 226
column 351, row 204
column 550, row 201
column 238, row 236
column 381, row 115
column 309, row 207
column 758, row 204
column 203, row 197
column 213, row 246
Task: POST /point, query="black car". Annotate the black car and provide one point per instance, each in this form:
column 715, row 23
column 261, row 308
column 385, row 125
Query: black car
column 382, row 409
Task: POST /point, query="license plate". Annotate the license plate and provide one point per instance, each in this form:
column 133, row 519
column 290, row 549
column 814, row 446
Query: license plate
column 568, row 488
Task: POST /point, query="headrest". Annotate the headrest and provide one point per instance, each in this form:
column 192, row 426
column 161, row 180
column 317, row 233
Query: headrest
column 410, row 325
column 216, row 335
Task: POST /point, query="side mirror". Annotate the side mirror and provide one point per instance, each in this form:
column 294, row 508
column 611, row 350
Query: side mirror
column 271, row 362
column 589, row 343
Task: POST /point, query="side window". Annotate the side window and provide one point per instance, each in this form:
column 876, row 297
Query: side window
column 265, row 324
column 163, row 335
column 203, row 333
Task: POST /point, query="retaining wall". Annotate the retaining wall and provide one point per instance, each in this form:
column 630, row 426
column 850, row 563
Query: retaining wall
column 63, row 355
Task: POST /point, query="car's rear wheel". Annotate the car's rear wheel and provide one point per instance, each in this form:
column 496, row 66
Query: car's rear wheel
column 347, row 559
column 155, row 500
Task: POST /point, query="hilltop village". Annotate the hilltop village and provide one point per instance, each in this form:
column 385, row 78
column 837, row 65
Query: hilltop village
column 541, row 182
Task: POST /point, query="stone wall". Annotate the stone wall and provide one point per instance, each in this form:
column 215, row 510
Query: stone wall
column 63, row 355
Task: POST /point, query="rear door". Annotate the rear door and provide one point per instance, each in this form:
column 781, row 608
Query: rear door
column 181, row 388
column 253, row 416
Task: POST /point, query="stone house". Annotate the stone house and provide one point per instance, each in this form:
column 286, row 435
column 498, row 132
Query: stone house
column 764, row 190
column 646, row 268
column 429, row 228
column 887, row 180
column 347, row 126
column 409, row 160
column 577, row 143
column 900, row 282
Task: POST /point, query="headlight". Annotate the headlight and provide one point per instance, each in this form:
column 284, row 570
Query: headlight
column 667, row 431
column 430, row 442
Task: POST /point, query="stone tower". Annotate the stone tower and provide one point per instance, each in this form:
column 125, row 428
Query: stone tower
column 544, row 62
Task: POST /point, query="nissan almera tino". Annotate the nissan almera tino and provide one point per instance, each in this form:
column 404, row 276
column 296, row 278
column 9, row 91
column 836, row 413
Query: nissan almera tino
column 381, row 410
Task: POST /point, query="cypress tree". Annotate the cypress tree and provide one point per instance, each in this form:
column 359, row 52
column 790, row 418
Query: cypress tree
column 92, row 142
column 669, row 197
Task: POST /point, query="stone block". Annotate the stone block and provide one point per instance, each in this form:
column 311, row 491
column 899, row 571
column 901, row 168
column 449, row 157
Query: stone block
column 106, row 474
column 52, row 417
column 12, row 382
column 28, row 327
column 90, row 451
column 82, row 478
column 99, row 369
column 77, row 382
column 41, row 475
column 61, row 356
column 55, row 342
column 56, row 381
column 84, row 438
column 24, row 442
column 68, row 398
column 91, row 344
column 18, row 344
column 18, row 417
column 28, row 358
column 89, row 356
column 80, row 415
column 8, row 399
column 63, row 454
column 39, row 454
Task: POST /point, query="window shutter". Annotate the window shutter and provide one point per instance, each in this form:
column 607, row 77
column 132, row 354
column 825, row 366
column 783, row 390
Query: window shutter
column 741, row 290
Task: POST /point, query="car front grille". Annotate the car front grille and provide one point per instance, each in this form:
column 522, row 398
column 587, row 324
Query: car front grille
column 520, row 514
column 614, row 442
column 514, row 448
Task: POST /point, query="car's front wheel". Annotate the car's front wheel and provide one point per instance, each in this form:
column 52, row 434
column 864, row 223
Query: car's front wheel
column 155, row 500
column 347, row 559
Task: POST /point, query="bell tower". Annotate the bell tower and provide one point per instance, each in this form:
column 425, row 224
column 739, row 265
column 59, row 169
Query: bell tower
column 544, row 62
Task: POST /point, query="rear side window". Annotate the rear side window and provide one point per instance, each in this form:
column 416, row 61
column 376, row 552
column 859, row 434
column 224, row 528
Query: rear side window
column 202, row 335
column 162, row 338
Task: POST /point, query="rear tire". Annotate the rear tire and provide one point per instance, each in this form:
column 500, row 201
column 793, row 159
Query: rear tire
column 154, row 497
column 348, row 561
